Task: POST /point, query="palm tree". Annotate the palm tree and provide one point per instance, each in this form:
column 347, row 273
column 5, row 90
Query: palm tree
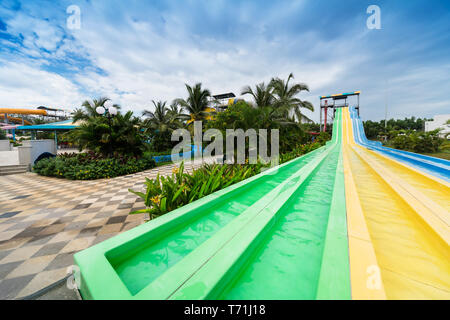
column 285, row 97
column 262, row 95
column 175, row 112
column 174, row 109
column 196, row 103
column 162, row 119
column 127, row 137
column 121, row 134
column 88, row 109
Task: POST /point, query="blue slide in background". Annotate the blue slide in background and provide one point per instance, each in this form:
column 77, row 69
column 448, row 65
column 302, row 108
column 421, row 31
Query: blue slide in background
column 435, row 166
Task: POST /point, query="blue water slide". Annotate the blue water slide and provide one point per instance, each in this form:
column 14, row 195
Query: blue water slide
column 435, row 166
column 168, row 158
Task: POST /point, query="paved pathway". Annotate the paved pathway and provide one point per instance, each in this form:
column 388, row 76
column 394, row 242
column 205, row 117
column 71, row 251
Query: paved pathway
column 44, row 221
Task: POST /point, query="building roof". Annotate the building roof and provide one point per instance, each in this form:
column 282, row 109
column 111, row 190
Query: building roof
column 224, row 96
column 63, row 125
column 341, row 95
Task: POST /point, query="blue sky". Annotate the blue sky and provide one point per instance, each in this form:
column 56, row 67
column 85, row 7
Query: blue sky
column 135, row 51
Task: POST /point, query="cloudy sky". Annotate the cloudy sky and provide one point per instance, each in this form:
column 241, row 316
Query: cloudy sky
column 134, row 51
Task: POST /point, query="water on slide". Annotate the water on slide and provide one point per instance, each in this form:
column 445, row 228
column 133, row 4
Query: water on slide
column 287, row 263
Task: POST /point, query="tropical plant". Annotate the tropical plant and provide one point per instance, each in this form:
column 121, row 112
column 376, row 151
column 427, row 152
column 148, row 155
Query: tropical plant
column 262, row 95
column 160, row 124
column 174, row 110
column 196, row 103
column 165, row 194
column 375, row 130
column 323, row 137
column 162, row 119
column 285, row 97
column 119, row 134
column 241, row 116
column 416, row 141
column 244, row 116
column 300, row 150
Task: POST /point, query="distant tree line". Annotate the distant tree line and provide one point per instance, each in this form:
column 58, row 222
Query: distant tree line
column 376, row 130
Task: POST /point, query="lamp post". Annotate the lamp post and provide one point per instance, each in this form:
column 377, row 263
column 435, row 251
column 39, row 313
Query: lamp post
column 109, row 111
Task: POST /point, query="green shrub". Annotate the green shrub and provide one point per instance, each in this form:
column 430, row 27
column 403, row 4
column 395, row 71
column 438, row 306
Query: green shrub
column 155, row 154
column 299, row 151
column 90, row 166
column 375, row 130
column 15, row 143
column 165, row 194
column 420, row 142
column 323, row 137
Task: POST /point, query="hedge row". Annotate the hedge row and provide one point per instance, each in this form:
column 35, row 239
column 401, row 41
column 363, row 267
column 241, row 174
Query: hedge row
column 91, row 166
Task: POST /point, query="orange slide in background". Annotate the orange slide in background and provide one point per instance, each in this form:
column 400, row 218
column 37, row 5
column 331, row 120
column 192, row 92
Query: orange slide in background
column 7, row 111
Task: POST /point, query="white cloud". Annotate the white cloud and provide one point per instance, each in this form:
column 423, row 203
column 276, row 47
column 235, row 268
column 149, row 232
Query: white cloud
column 150, row 55
column 22, row 85
column 144, row 64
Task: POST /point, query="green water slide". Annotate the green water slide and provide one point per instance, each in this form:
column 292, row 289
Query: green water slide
column 278, row 235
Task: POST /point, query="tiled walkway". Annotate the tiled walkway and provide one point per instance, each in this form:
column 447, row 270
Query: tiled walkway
column 44, row 221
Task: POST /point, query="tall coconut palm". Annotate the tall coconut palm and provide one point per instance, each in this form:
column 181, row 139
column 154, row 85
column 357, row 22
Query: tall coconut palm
column 285, row 97
column 88, row 109
column 196, row 104
column 262, row 95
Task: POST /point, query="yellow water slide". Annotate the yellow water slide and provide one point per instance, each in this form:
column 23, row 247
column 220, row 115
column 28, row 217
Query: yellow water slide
column 9, row 111
column 398, row 226
column 15, row 120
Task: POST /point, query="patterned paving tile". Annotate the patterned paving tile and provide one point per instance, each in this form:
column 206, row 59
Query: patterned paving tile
column 20, row 254
column 5, row 235
column 44, row 221
column 38, row 240
column 31, row 266
column 89, row 232
column 9, row 288
column 9, row 214
column 42, row 280
column 8, row 267
column 117, row 219
column 50, row 248
column 62, row 260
